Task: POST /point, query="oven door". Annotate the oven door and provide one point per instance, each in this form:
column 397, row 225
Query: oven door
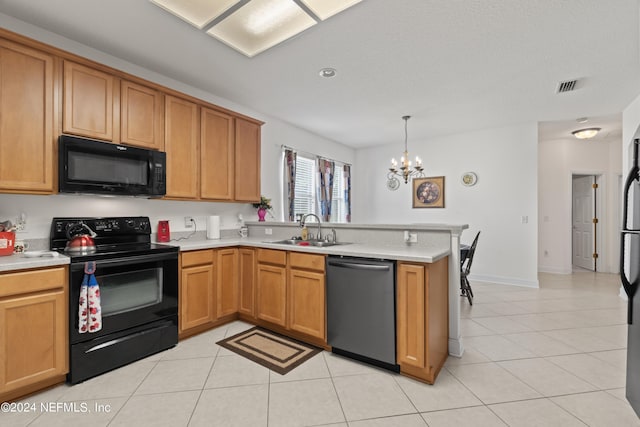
column 134, row 290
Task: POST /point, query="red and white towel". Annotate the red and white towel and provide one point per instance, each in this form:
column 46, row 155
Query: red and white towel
column 89, row 312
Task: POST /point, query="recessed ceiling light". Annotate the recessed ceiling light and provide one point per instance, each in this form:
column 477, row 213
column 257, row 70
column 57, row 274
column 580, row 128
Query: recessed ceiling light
column 582, row 120
column 585, row 133
column 328, row 72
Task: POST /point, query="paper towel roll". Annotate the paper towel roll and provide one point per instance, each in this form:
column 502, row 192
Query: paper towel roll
column 213, row 227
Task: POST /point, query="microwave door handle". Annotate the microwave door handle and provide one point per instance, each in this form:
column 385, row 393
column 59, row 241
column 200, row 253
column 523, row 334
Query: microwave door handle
column 629, row 288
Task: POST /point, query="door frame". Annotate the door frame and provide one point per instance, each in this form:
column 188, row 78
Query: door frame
column 600, row 212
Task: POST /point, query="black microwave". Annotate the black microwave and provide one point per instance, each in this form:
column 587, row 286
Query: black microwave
column 96, row 167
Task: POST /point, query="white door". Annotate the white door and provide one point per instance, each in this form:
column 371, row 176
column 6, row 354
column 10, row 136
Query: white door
column 583, row 215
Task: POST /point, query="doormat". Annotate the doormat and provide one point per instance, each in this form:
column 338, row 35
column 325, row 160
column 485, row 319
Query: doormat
column 274, row 351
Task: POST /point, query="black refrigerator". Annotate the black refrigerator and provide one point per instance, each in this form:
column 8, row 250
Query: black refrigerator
column 630, row 276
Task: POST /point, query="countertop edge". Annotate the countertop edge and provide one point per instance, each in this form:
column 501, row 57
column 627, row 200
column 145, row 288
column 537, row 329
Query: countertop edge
column 20, row 262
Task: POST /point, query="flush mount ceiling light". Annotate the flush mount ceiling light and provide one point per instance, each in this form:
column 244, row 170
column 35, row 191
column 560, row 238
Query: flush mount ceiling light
column 253, row 26
column 585, row 133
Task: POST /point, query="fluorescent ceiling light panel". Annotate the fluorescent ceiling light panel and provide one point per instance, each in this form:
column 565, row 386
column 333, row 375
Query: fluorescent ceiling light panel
column 327, row 8
column 196, row 12
column 261, row 24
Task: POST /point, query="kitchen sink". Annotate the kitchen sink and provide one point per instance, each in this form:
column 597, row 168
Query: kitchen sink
column 316, row 243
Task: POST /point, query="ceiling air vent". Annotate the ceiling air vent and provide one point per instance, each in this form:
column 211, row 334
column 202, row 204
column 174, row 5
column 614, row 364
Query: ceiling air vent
column 566, row 86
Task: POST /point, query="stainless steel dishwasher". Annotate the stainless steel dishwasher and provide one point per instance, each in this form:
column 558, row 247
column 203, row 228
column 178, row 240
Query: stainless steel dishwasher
column 361, row 315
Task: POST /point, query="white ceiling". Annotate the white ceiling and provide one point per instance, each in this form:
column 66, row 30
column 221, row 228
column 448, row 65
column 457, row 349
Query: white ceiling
column 452, row 65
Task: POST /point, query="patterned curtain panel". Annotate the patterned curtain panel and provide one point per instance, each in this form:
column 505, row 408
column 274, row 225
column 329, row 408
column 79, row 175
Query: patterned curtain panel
column 290, row 182
column 347, row 190
column 325, row 188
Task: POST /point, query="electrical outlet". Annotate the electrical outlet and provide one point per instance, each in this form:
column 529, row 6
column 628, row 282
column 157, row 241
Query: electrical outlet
column 188, row 221
column 410, row 237
column 268, row 231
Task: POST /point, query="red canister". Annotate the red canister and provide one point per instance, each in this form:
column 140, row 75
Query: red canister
column 163, row 231
column 7, row 240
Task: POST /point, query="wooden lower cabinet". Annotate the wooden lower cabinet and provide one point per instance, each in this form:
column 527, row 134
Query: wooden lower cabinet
column 291, row 291
column 272, row 288
column 246, row 281
column 307, row 302
column 33, row 330
column 197, row 289
column 227, row 282
column 422, row 318
column 307, row 294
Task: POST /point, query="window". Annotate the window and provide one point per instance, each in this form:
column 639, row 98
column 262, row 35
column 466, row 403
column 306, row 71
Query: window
column 338, row 208
column 305, row 191
column 305, row 201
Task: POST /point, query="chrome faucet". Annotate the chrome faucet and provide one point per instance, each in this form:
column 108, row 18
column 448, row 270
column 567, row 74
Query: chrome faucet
column 304, row 218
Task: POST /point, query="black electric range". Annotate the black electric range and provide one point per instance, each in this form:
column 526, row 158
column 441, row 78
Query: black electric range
column 138, row 288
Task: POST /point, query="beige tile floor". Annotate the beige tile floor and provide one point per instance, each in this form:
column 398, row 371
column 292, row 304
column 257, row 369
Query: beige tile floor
column 553, row 356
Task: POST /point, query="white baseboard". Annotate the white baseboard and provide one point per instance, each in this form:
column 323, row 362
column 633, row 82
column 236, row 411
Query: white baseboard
column 554, row 270
column 505, row 281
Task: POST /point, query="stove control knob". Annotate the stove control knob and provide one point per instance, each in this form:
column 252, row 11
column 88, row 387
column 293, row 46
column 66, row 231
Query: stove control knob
column 129, row 223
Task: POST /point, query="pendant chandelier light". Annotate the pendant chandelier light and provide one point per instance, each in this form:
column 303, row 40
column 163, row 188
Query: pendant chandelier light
column 404, row 171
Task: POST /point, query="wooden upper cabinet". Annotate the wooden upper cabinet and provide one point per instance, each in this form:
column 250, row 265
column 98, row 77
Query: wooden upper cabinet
column 181, row 145
column 247, row 161
column 90, row 102
column 216, row 155
column 26, row 119
column 142, row 116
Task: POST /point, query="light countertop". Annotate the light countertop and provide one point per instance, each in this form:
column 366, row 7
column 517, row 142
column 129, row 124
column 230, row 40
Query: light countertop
column 400, row 252
column 21, row 262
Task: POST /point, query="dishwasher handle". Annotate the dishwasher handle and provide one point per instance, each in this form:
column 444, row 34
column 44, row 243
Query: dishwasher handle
column 358, row 266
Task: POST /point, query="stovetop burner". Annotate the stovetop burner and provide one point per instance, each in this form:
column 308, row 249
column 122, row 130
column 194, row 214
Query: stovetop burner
column 115, row 236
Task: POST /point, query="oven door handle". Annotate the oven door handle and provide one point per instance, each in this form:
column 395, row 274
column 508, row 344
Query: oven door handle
column 75, row 266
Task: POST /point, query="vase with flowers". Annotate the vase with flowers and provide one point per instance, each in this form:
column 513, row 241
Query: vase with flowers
column 263, row 207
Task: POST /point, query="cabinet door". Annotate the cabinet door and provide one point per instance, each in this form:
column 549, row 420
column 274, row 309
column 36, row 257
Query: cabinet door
column 272, row 294
column 26, row 121
column 142, row 118
column 181, row 146
column 307, row 302
column 88, row 102
column 411, row 312
column 33, row 338
column 197, row 296
column 216, row 155
column 247, row 161
column 227, row 282
column 247, row 281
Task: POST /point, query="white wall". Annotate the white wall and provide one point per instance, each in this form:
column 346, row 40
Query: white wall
column 505, row 160
column 557, row 161
column 40, row 209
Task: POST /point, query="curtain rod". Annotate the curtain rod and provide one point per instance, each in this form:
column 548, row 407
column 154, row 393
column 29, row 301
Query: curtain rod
column 314, row 155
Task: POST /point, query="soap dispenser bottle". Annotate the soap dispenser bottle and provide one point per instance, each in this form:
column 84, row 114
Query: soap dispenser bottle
column 305, row 233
